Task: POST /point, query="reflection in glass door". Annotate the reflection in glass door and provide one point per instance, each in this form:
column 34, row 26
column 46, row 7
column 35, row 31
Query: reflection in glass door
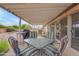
column 75, row 31
column 52, row 34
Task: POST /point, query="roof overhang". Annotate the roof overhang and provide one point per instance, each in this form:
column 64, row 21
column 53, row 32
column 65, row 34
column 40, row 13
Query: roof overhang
column 36, row 13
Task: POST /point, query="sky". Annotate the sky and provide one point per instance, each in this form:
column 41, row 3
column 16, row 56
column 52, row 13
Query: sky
column 8, row 19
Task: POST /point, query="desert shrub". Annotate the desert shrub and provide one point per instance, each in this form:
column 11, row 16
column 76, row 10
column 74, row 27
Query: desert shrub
column 10, row 29
column 3, row 46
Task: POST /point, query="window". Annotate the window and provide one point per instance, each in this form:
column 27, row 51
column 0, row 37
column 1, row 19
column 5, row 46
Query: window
column 75, row 31
column 61, row 27
column 58, row 30
column 63, row 30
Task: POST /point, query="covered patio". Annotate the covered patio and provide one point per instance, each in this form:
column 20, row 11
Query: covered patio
column 44, row 38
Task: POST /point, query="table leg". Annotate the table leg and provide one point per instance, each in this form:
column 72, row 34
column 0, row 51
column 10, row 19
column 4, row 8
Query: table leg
column 34, row 53
column 55, row 51
column 40, row 52
column 30, row 52
column 50, row 53
column 26, row 50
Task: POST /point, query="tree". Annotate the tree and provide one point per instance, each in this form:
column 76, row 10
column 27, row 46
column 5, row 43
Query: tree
column 15, row 27
column 2, row 26
column 24, row 26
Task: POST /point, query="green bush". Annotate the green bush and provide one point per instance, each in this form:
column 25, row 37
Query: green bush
column 24, row 26
column 2, row 26
column 3, row 46
column 10, row 29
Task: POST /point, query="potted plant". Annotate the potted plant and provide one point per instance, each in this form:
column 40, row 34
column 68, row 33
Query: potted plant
column 4, row 46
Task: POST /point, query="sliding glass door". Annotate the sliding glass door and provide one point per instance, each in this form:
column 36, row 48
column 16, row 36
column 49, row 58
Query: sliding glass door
column 75, row 31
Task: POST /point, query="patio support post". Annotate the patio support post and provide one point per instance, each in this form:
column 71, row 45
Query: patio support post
column 55, row 31
column 69, row 29
column 20, row 30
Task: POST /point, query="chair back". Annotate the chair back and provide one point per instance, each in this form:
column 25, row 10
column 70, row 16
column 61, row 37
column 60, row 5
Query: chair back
column 14, row 44
column 33, row 34
column 64, row 42
column 26, row 34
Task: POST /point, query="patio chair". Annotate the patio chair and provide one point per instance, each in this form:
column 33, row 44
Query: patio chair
column 26, row 34
column 48, row 52
column 64, row 42
column 33, row 34
column 14, row 44
column 53, row 49
column 59, row 51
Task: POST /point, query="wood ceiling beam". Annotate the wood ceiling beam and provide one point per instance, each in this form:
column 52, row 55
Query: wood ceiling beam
column 36, row 8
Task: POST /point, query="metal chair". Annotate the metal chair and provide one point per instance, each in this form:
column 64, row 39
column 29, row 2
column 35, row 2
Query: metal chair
column 53, row 49
column 26, row 34
column 60, row 51
column 64, row 42
column 14, row 44
column 33, row 34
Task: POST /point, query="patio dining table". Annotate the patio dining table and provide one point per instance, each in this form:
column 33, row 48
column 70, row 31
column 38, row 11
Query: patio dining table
column 40, row 43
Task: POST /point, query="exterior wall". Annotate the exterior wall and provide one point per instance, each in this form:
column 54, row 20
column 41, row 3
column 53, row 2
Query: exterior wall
column 69, row 51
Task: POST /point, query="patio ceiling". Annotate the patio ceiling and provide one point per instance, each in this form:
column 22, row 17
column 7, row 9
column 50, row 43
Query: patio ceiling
column 36, row 13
